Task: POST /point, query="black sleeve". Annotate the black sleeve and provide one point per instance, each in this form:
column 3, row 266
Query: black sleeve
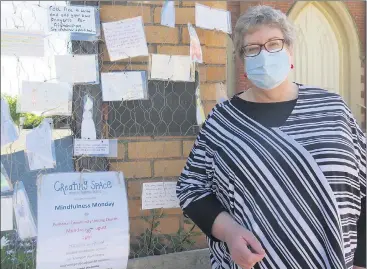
column 203, row 213
column 360, row 253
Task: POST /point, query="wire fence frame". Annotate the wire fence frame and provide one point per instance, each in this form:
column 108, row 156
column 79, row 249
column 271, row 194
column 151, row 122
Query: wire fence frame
column 21, row 254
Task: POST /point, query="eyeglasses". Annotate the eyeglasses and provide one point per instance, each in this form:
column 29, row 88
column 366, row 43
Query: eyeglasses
column 272, row 46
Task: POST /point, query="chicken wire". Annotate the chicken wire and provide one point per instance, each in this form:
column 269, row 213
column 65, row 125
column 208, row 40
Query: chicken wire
column 170, row 110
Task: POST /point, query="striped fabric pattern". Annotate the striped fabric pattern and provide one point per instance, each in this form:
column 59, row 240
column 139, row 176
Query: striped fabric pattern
column 297, row 187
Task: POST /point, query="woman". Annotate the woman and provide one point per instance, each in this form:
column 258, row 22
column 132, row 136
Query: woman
column 276, row 177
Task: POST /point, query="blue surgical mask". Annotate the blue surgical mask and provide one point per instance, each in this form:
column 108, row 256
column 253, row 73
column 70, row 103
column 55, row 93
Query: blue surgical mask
column 268, row 70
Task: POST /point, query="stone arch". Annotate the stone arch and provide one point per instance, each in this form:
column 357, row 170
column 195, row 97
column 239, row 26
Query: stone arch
column 340, row 29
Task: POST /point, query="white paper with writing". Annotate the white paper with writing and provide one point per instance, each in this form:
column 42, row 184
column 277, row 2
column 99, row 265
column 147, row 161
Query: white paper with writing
column 172, row 67
column 9, row 132
column 212, row 18
column 196, row 53
column 26, row 226
column 6, row 213
column 40, row 97
column 125, row 38
column 22, row 43
column 117, row 86
column 91, row 147
column 159, row 195
column 77, row 68
column 39, row 147
column 78, row 19
column 87, row 215
column 168, row 16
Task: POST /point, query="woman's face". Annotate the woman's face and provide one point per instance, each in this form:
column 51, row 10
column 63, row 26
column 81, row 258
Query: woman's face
column 263, row 34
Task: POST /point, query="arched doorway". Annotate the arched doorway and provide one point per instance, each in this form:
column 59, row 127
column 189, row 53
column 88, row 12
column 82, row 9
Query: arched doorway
column 327, row 51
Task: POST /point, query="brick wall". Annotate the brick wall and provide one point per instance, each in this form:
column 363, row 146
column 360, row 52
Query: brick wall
column 357, row 10
column 150, row 159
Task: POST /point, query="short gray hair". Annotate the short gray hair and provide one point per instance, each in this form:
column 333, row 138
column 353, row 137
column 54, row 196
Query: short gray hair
column 262, row 15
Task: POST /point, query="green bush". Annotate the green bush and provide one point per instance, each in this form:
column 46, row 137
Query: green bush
column 30, row 120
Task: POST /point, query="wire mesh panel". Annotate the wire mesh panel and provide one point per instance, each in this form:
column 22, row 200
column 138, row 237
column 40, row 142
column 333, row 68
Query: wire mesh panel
column 154, row 135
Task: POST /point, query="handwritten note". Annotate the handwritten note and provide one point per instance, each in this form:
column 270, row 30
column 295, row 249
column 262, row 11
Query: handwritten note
column 77, row 19
column 91, row 147
column 196, row 53
column 212, row 18
column 39, row 97
column 159, row 195
column 77, row 68
column 22, row 43
column 6, row 213
column 117, row 86
column 125, row 38
column 172, row 67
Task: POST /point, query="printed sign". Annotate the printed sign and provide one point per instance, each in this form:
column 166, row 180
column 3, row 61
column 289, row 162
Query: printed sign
column 86, row 216
column 91, row 147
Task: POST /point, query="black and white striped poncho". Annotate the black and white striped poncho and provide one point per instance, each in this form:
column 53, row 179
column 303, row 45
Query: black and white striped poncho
column 297, row 187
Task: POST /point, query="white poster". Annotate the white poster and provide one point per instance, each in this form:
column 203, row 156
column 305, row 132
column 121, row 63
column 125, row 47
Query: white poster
column 46, row 98
column 77, row 68
column 118, row 86
column 172, row 67
column 22, row 43
column 159, row 195
column 6, row 213
column 125, row 39
column 85, row 217
column 78, row 19
column 213, row 18
column 91, row 147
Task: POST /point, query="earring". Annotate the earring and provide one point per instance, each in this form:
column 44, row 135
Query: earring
column 292, row 66
column 245, row 75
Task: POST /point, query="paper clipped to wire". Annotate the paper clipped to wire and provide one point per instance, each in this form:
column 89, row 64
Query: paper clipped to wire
column 77, row 68
column 77, row 19
column 118, row 86
column 88, row 128
column 40, row 147
column 6, row 185
column 6, row 213
column 26, row 226
column 45, row 98
column 196, row 53
column 87, row 210
column 22, row 43
column 168, row 16
column 125, row 39
column 9, row 132
column 172, row 67
column 91, row 147
column 213, row 18
column 159, row 195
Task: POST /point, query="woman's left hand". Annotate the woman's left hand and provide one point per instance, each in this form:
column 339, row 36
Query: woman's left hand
column 357, row 267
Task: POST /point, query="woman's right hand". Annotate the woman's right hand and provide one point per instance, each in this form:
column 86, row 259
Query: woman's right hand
column 243, row 246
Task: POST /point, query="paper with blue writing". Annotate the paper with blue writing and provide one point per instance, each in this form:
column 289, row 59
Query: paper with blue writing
column 83, row 213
